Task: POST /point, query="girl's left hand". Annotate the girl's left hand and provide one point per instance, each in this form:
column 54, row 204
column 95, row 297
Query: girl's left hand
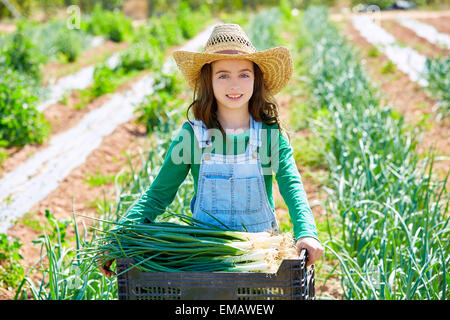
column 312, row 246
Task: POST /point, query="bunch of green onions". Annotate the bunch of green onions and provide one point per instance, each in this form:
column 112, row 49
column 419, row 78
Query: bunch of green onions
column 174, row 247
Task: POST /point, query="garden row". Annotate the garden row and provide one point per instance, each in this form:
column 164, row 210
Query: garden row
column 388, row 210
column 428, row 72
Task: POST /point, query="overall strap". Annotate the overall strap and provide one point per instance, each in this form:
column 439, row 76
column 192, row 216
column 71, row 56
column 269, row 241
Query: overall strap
column 200, row 132
column 255, row 136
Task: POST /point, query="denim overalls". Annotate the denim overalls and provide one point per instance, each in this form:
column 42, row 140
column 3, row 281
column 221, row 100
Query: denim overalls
column 231, row 188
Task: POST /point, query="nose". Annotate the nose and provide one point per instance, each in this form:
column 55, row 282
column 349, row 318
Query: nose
column 234, row 85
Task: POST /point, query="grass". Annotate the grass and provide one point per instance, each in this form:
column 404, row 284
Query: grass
column 98, row 179
column 11, row 270
column 308, row 151
column 29, row 220
column 279, row 203
column 3, row 156
column 388, row 68
column 425, row 121
column 103, row 86
column 319, row 177
column 373, row 52
column 300, row 115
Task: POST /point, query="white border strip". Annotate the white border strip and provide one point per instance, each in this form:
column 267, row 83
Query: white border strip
column 80, row 80
column 407, row 59
column 426, row 31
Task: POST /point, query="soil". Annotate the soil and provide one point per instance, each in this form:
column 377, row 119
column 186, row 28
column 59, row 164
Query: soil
column 441, row 24
column 7, row 28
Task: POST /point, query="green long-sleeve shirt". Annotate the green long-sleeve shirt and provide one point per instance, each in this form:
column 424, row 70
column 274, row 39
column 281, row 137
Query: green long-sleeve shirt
column 180, row 160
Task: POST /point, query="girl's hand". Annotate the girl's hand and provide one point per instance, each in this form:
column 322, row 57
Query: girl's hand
column 312, row 246
column 105, row 268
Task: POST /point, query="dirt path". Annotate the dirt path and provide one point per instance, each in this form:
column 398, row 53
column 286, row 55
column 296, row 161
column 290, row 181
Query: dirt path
column 409, row 99
column 441, row 23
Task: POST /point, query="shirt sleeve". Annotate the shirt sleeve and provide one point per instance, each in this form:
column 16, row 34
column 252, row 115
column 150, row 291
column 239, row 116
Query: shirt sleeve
column 164, row 188
column 291, row 188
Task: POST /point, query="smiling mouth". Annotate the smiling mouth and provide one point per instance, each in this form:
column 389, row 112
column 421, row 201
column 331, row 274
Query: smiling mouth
column 234, row 96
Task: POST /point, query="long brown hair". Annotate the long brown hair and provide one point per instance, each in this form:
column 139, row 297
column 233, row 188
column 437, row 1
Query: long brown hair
column 262, row 105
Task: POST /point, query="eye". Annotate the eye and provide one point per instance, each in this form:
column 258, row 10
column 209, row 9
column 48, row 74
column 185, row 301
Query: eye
column 222, row 76
column 245, row 75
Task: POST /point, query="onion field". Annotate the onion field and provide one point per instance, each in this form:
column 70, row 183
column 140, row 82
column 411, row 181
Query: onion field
column 90, row 103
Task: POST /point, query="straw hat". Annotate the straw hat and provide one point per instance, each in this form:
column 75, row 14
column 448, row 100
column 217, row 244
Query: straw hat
column 229, row 41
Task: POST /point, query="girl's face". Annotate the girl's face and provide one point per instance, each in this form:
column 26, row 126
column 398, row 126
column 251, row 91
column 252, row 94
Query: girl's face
column 232, row 82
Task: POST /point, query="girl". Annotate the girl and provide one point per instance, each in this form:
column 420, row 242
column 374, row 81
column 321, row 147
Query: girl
column 234, row 144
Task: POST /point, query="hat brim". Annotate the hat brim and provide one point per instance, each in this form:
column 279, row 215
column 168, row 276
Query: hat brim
column 275, row 64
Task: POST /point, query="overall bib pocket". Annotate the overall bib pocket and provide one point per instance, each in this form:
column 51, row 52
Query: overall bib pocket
column 216, row 191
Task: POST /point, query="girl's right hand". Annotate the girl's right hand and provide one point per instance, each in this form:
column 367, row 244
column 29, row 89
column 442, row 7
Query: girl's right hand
column 105, row 268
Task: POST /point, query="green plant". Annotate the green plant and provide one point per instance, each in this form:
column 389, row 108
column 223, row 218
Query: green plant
column 105, row 81
column 390, row 213
column 308, row 151
column 11, row 269
column 21, row 54
column 65, row 276
column 388, row 67
column 162, row 104
column 301, row 115
column 436, row 73
column 188, row 246
column 373, row 52
column 29, row 220
column 156, row 109
column 97, row 179
column 20, row 122
column 68, row 44
column 263, row 30
column 141, row 55
column 189, row 27
column 171, row 29
column 3, row 156
column 115, row 25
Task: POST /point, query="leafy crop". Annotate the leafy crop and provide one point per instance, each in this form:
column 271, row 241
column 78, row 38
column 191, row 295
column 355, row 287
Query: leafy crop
column 20, row 122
